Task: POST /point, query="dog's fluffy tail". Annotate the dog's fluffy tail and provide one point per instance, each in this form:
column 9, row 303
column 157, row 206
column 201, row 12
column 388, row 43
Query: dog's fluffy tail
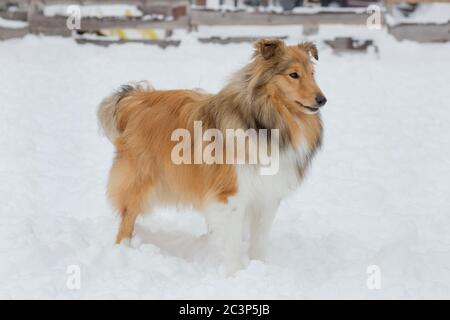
column 107, row 110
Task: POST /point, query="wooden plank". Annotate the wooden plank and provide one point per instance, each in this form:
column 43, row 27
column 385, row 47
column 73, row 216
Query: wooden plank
column 20, row 2
column 421, row 32
column 211, row 18
column 416, row 1
column 160, row 43
column 7, row 33
column 14, row 15
column 89, row 2
column 228, row 40
column 349, row 44
column 57, row 25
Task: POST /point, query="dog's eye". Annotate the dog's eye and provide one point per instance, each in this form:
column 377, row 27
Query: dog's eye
column 294, row 75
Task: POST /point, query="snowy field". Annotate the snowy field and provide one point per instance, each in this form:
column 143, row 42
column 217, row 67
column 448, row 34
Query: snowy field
column 378, row 192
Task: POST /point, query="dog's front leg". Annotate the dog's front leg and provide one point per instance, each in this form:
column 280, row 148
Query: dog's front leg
column 262, row 216
column 226, row 224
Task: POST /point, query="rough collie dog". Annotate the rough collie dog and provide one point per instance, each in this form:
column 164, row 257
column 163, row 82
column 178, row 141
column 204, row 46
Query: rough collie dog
column 276, row 91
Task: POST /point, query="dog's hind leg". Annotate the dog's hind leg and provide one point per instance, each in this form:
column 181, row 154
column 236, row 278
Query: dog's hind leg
column 128, row 219
column 130, row 194
column 133, row 205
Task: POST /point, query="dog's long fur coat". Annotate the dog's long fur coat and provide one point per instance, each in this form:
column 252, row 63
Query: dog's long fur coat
column 276, row 90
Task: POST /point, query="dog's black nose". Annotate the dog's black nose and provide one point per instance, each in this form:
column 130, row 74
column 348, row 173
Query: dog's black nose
column 321, row 100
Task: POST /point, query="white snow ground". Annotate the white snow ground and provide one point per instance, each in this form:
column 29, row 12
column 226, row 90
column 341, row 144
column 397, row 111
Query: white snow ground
column 425, row 13
column 100, row 11
column 12, row 24
column 377, row 194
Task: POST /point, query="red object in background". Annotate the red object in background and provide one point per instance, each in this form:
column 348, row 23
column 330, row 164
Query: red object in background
column 179, row 11
column 200, row 2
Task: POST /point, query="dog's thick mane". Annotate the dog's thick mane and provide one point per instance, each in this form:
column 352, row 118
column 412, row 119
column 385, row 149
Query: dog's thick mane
column 249, row 102
column 276, row 90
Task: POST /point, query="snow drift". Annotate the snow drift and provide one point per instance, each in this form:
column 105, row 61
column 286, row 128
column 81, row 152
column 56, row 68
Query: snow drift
column 377, row 194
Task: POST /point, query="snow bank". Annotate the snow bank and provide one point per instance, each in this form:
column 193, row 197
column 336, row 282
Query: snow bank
column 229, row 6
column 436, row 13
column 100, row 11
column 12, row 24
column 377, row 193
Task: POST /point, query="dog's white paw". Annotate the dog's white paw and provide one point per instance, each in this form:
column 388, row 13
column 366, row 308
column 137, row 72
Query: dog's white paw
column 135, row 242
column 126, row 242
column 257, row 254
column 231, row 267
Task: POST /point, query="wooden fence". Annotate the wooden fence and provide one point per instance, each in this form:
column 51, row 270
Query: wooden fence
column 40, row 24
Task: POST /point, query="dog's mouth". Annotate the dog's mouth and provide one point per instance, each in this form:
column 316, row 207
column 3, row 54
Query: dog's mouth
column 311, row 110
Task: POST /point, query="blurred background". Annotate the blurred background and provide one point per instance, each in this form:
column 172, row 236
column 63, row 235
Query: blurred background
column 374, row 204
column 153, row 21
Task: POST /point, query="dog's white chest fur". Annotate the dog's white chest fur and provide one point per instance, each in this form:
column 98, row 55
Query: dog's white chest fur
column 257, row 187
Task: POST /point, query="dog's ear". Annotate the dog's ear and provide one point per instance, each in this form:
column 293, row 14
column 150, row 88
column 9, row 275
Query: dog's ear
column 268, row 48
column 310, row 48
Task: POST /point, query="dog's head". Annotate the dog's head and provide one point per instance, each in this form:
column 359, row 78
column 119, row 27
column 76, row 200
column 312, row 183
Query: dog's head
column 289, row 71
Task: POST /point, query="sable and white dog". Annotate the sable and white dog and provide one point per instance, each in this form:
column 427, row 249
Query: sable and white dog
column 276, row 91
